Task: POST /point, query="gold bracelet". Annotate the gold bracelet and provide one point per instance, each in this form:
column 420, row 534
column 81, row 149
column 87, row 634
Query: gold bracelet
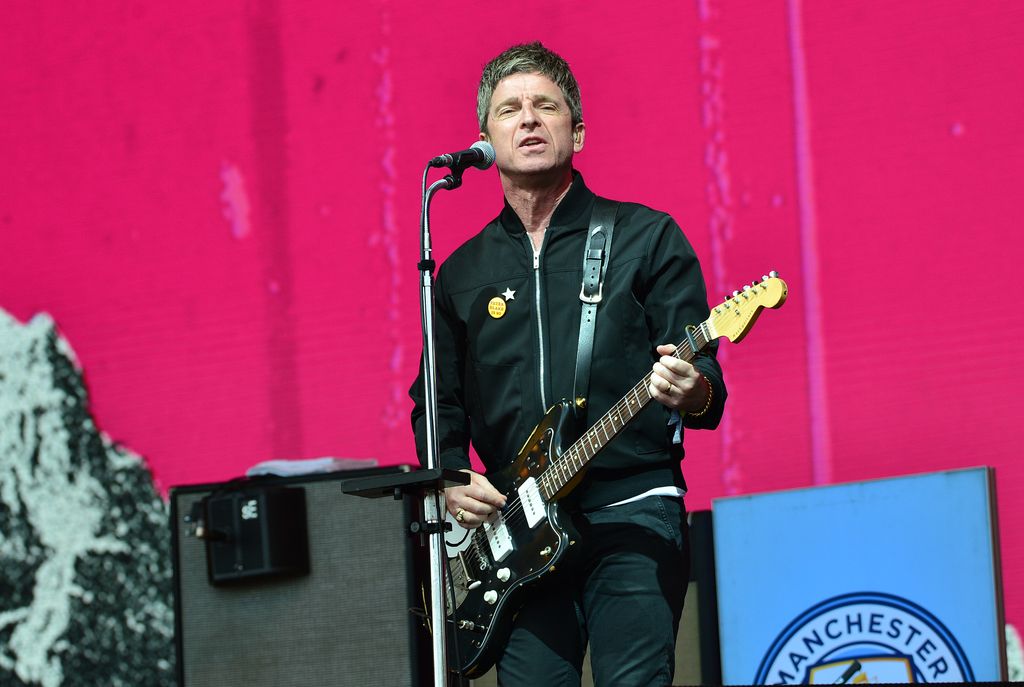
column 711, row 395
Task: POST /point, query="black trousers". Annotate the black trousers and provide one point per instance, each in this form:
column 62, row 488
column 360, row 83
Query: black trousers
column 623, row 593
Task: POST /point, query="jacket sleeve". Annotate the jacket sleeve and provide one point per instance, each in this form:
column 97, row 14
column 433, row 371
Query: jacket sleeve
column 452, row 421
column 675, row 297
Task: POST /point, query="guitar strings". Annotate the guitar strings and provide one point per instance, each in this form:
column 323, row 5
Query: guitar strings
column 549, row 478
column 576, row 454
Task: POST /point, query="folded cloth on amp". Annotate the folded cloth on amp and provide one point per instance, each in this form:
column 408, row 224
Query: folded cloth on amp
column 308, row 466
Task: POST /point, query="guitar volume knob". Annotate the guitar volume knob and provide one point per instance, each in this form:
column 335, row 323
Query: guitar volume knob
column 504, row 574
column 491, row 597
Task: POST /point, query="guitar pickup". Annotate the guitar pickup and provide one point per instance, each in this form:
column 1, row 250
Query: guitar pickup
column 533, row 503
column 499, row 539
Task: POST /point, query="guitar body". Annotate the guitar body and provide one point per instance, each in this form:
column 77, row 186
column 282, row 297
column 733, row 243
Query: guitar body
column 490, row 580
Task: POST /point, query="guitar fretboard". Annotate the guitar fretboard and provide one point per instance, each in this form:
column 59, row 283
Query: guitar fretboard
column 563, row 469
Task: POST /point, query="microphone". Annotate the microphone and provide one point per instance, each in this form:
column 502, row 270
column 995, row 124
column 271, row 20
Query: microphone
column 479, row 155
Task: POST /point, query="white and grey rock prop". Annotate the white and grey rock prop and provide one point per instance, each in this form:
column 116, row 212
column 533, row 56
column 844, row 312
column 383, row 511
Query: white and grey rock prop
column 85, row 575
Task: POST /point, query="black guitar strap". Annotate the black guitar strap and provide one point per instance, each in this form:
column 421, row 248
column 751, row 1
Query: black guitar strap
column 596, row 256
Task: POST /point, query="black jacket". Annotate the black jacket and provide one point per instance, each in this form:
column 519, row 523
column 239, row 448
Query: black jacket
column 498, row 375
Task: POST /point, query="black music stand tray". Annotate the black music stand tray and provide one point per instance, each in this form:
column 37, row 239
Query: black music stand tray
column 417, row 482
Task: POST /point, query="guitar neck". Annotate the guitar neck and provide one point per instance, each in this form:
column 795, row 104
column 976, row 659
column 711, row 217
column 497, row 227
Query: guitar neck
column 562, row 471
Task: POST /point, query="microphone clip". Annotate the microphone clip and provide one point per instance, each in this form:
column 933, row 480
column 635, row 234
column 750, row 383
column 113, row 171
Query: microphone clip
column 453, row 180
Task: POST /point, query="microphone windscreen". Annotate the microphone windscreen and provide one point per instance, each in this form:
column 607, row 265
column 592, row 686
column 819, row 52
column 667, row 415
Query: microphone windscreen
column 488, row 152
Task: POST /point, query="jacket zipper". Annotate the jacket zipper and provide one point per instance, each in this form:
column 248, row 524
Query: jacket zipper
column 540, row 325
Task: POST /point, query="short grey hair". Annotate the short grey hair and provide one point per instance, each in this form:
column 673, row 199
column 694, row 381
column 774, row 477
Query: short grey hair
column 528, row 58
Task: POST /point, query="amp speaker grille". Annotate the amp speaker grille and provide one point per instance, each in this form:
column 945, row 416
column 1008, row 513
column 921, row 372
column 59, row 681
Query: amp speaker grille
column 347, row 623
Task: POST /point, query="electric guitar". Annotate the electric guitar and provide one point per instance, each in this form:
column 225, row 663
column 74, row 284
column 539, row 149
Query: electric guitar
column 491, row 567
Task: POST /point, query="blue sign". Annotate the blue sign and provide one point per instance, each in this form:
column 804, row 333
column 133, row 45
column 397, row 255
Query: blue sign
column 884, row 581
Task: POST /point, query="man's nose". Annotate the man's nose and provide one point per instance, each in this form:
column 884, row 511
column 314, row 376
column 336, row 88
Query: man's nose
column 528, row 116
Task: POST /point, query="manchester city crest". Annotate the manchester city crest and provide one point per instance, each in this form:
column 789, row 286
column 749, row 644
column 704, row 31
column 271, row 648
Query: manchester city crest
column 864, row 637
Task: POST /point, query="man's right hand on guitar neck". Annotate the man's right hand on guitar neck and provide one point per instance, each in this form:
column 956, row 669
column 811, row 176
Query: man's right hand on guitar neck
column 472, row 504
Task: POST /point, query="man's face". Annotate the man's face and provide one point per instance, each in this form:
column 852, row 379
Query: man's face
column 530, row 126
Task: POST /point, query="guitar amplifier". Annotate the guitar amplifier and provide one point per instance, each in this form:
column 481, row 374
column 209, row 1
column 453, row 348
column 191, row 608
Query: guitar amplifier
column 335, row 613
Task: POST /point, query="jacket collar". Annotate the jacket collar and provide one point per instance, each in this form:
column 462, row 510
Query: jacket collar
column 570, row 212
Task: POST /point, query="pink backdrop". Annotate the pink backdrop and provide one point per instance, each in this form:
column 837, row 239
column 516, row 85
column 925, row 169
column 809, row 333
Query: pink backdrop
column 218, row 203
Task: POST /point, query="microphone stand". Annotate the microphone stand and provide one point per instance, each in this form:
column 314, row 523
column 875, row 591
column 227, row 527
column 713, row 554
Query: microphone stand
column 433, row 515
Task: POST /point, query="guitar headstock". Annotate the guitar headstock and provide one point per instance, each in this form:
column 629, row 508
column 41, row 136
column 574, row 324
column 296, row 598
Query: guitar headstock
column 734, row 317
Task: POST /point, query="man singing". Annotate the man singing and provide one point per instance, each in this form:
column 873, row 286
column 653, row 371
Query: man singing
column 508, row 321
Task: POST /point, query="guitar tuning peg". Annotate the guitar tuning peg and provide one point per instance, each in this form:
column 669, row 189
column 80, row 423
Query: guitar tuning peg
column 764, row 277
column 735, row 293
column 773, row 274
column 746, row 287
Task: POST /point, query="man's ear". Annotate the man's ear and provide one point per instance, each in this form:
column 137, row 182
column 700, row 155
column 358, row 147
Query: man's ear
column 579, row 134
